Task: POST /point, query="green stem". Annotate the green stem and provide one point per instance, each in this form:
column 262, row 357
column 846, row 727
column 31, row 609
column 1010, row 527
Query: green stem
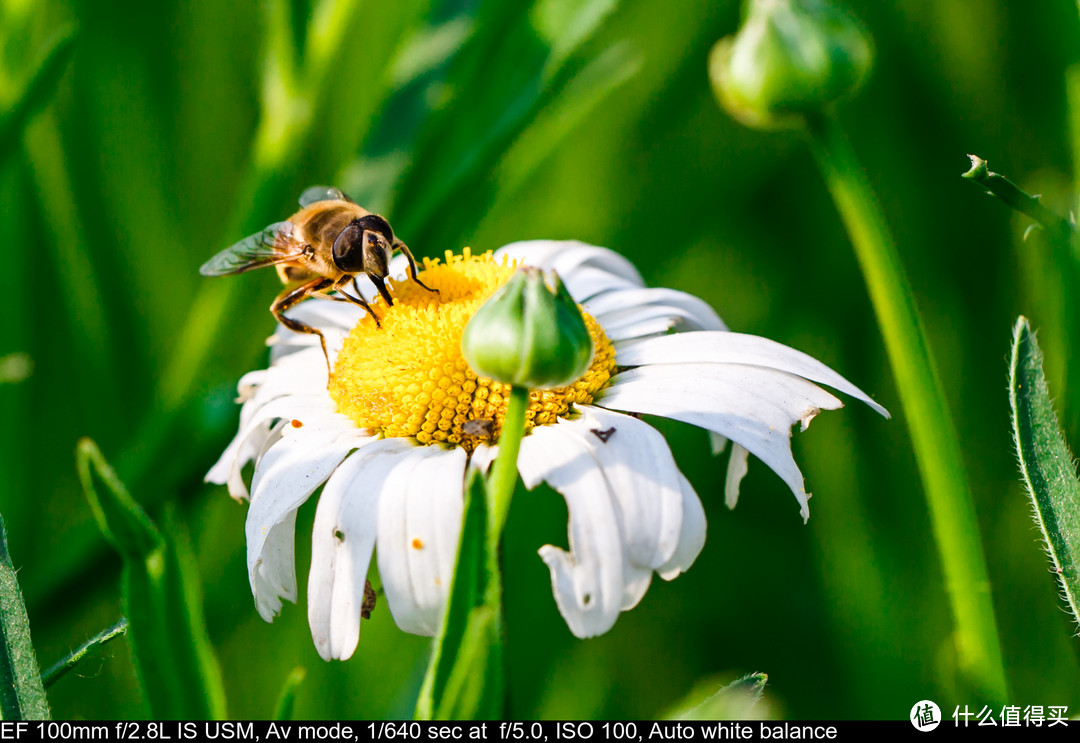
column 59, row 669
column 1059, row 228
column 1061, row 285
column 504, row 473
column 930, row 424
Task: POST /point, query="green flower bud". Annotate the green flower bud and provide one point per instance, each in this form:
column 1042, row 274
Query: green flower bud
column 529, row 334
column 790, row 58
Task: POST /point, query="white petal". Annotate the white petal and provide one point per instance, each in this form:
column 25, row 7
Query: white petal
column 537, row 253
column 752, row 406
column 286, row 477
column 645, row 327
column 419, row 527
column 286, row 342
column 642, row 475
column 260, row 435
column 255, row 423
column 327, row 314
column 736, row 348
column 675, row 317
column 736, row 470
column 692, row 535
column 482, row 456
column 617, row 307
column 645, row 321
column 346, row 522
column 248, row 383
column 275, row 576
column 586, row 282
column 219, row 473
column 588, row 580
column 300, row 373
column 569, row 257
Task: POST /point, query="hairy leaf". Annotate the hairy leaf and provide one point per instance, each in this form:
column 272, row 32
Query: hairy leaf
column 1046, row 463
column 22, row 696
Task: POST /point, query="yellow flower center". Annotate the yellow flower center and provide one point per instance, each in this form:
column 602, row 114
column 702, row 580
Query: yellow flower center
column 409, row 378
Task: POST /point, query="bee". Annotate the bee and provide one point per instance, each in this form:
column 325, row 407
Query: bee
column 320, row 249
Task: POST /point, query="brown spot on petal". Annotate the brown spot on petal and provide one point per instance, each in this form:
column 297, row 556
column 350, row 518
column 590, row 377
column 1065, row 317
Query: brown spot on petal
column 296, row 423
column 417, row 544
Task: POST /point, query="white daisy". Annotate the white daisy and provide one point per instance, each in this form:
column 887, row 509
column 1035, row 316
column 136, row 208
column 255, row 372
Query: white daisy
column 403, row 417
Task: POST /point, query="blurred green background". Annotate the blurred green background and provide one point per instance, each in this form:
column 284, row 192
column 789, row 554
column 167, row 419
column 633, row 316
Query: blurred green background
column 178, row 127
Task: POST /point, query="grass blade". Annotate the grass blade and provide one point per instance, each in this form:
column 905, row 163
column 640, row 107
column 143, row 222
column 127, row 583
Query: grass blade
column 59, row 669
column 179, row 673
column 22, row 696
column 518, row 59
column 1046, row 463
column 283, row 710
column 36, row 92
column 123, row 522
column 926, row 408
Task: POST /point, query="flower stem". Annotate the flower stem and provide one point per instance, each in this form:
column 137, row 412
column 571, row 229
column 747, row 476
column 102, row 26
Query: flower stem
column 466, row 679
column 930, row 424
column 504, row 473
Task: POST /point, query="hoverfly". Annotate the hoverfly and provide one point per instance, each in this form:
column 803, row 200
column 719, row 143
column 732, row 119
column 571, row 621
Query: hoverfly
column 318, row 250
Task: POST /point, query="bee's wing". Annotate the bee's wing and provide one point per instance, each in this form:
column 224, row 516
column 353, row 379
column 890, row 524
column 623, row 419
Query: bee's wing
column 255, row 251
column 322, row 193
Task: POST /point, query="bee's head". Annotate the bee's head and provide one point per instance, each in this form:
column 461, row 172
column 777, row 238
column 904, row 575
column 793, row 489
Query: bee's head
column 365, row 246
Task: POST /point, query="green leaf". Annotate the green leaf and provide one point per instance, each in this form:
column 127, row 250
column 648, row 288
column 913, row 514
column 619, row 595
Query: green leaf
column 465, row 677
column 470, row 693
column 601, row 77
column 36, row 92
column 736, row 701
column 283, row 710
column 22, row 696
column 517, row 59
column 123, row 521
column 161, row 596
column 1046, row 463
column 59, row 669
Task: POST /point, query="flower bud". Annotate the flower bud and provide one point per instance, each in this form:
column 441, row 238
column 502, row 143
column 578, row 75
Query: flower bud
column 790, row 58
column 529, row 334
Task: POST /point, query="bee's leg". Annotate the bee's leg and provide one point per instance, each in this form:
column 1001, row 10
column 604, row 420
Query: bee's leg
column 290, row 298
column 380, row 284
column 358, row 299
column 398, row 245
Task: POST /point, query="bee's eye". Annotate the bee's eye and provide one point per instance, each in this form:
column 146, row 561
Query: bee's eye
column 375, row 223
column 349, row 249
